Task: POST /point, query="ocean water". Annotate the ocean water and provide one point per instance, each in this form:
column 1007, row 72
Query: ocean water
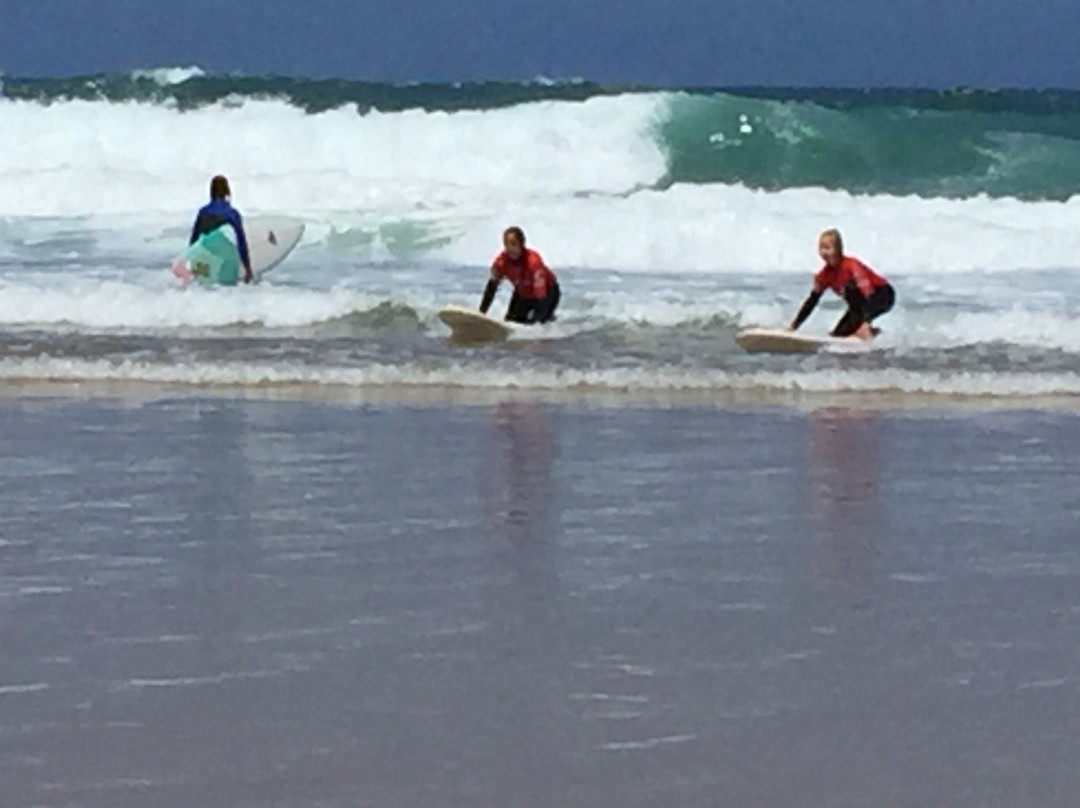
column 672, row 219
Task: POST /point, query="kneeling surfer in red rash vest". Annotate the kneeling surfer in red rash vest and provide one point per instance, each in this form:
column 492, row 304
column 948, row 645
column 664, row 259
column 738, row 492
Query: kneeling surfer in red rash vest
column 536, row 291
column 868, row 294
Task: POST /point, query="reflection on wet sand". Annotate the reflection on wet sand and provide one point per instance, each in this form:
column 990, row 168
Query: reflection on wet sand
column 529, row 607
column 844, row 469
column 524, row 456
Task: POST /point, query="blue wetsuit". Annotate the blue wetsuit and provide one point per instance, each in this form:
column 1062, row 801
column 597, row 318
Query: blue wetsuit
column 215, row 215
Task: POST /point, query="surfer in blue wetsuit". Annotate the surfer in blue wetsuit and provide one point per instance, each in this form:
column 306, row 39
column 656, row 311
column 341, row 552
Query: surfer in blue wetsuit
column 218, row 214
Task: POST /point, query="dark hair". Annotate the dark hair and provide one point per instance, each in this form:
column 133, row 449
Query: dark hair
column 219, row 187
column 515, row 231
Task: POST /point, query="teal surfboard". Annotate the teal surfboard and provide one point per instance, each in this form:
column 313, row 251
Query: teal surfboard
column 214, row 259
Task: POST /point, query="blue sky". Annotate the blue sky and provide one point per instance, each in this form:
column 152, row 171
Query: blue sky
column 988, row 43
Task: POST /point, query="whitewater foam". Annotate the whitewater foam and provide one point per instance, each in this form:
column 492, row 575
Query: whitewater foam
column 169, row 76
column 731, row 229
column 80, row 158
column 586, row 180
column 450, row 375
column 158, row 305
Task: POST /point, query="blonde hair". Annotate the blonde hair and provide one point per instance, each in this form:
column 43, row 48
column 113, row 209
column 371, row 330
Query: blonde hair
column 837, row 239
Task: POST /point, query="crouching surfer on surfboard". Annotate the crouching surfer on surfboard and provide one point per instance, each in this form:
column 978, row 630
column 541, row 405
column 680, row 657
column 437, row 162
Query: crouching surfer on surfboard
column 868, row 294
column 218, row 213
column 536, row 291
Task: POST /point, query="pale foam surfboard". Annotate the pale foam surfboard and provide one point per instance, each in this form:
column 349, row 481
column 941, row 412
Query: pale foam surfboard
column 270, row 240
column 779, row 340
column 469, row 325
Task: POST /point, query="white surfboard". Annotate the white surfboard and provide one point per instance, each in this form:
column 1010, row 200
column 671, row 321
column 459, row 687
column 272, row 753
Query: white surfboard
column 270, row 240
column 780, row 340
column 469, row 325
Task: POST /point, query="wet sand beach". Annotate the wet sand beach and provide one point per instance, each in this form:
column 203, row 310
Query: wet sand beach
column 420, row 601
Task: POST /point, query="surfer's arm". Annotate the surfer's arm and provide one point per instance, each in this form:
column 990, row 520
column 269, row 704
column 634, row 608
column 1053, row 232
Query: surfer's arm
column 241, row 243
column 807, row 308
column 489, row 295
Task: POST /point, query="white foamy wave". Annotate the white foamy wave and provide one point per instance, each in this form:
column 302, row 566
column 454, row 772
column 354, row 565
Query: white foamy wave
column 168, row 76
column 582, row 178
column 80, row 158
column 713, row 228
column 119, row 305
column 1014, row 326
column 452, row 375
column 727, row 230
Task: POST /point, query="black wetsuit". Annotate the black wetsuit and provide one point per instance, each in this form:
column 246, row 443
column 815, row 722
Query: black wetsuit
column 522, row 309
column 861, row 309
